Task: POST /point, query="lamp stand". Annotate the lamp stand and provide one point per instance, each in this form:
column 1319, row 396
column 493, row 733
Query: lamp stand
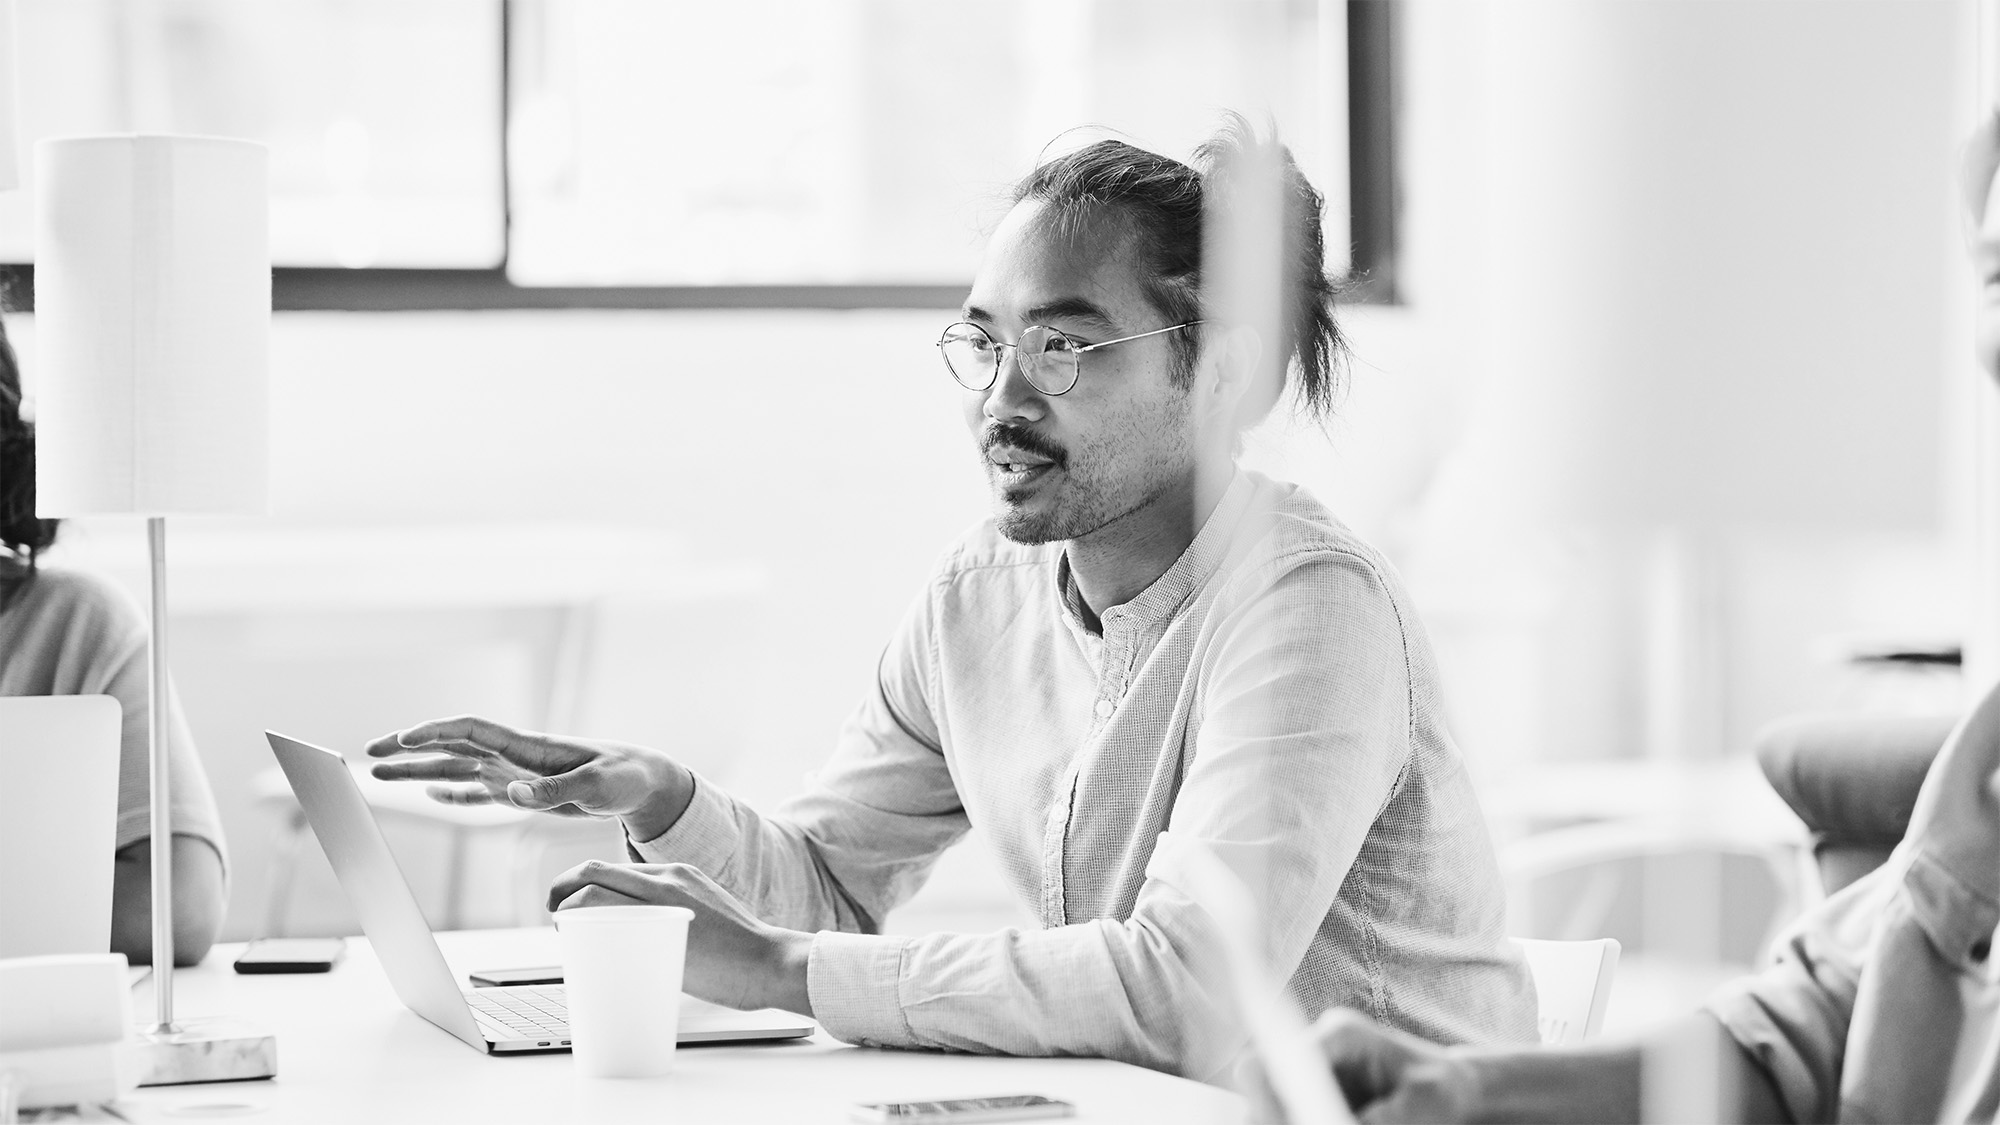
column 214, row 1049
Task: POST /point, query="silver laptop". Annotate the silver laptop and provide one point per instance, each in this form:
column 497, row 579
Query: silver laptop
column 496, row 1020
column 59, row 757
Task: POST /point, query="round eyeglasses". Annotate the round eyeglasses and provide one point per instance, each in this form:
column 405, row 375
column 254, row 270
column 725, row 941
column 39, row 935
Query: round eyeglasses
column 1048, row 357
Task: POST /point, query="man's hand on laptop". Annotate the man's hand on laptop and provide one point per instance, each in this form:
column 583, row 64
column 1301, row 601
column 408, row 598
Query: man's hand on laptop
column 733, row 958
column 474, row 761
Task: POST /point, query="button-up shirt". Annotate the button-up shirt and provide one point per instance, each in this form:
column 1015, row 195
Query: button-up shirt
column 1270, row 696
column 1884, row 1001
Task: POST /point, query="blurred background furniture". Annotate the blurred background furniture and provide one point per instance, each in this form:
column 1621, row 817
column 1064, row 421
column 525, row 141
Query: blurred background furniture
column 1572, row 987
column 1692, row 867
column 1853, row 780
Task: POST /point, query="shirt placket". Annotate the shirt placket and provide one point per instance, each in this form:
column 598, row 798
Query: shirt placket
column 1112, row 680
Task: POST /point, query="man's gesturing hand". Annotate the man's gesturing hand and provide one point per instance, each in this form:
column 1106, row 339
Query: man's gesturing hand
column 733, row 957
column 1389, row 1076
column 477, row 761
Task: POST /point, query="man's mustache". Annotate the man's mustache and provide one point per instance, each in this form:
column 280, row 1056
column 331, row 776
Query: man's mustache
column 1025, row 440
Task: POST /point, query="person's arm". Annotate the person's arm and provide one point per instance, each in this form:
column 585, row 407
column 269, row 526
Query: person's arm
column 1304, row 735
column 1304, row 730
column 1389, row 1076
column 201, row 876
column 199, row 899
column 862, row 837
column 1780, row 1036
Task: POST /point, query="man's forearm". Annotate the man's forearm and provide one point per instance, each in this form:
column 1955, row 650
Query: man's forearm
column 665, row 801
column 786, row 981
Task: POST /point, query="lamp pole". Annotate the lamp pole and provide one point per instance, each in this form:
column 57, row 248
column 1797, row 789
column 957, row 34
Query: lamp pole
column 162, row 791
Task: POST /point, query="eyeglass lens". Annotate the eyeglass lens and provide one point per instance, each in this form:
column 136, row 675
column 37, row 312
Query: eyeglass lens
column 1047, row 357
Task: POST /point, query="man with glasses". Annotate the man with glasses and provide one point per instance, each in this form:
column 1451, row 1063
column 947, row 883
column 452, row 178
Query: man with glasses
column 1143, row 637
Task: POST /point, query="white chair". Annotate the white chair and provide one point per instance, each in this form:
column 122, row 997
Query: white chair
column 1573, row 985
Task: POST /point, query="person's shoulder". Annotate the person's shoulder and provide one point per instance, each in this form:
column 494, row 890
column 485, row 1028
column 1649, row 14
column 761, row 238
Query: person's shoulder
column 78, row 598
column 1298, row 531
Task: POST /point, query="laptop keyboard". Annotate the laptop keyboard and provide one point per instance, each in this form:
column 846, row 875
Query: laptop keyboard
column 529, row 1011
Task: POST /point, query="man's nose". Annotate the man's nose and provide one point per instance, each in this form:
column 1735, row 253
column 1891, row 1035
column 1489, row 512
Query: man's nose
column 1011, row 395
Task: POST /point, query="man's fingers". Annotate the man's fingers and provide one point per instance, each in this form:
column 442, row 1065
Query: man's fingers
column 640, row 886
column 483, row 733
column 388, row 747
column 549, row 792
column 597, row 896
column 459, row 794
column 426, row 769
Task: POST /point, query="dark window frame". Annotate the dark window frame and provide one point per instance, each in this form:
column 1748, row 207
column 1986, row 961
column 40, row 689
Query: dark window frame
column 1373, row 47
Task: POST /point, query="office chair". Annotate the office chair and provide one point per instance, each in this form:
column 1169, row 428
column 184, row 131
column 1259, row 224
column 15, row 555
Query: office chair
column 1572, row 987
column 1853, row 780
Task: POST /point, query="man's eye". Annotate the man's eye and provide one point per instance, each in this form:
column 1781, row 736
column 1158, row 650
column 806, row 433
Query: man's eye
column 1058, row 344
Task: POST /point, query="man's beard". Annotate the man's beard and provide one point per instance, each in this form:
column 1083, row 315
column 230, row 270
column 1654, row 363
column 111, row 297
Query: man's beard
column 1083, row 500
column 1010, row 520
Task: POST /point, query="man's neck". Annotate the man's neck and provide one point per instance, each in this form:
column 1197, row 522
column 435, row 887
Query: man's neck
column 1113, row 564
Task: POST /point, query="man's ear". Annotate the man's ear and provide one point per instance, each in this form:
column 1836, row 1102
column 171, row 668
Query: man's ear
column 1227, row 373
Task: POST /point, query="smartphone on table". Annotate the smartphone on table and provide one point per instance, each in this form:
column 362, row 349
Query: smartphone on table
column 291, row 955
column 962, row 1111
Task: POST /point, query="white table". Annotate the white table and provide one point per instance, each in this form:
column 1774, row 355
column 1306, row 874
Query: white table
column 349, row 1052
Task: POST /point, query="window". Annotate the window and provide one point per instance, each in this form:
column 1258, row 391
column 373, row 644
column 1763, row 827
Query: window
column 383, row 117
column 661, row 153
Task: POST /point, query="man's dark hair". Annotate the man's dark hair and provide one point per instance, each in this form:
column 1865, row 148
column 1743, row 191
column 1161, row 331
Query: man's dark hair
column 21, row 534
column 1165, row 202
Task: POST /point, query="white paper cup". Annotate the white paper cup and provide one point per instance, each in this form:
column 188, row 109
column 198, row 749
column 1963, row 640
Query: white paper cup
column 622, row 975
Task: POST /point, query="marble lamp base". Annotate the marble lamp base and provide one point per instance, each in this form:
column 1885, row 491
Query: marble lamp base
column 209, row 1049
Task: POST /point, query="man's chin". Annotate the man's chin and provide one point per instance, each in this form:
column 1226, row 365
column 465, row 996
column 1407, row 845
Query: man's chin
column 1024, row 527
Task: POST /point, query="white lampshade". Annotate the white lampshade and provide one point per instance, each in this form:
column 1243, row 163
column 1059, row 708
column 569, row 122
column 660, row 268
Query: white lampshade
column 153, row 313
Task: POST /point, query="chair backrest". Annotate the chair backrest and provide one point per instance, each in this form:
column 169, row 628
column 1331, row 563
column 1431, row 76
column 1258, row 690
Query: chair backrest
column 1853, row 780
column 1573, row 985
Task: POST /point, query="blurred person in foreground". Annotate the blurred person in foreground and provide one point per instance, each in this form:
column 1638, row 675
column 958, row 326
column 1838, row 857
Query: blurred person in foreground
column 1884, row 1001
column 65, row 632
column 1142, row 634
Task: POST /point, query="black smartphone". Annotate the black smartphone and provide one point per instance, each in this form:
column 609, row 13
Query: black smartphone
column 501, row 978
column 291, row 955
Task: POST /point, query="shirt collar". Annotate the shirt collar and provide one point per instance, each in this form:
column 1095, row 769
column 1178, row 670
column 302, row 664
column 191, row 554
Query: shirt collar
column 1171, row 590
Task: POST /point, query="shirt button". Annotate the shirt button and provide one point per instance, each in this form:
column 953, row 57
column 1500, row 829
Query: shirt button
column 1105, row 707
